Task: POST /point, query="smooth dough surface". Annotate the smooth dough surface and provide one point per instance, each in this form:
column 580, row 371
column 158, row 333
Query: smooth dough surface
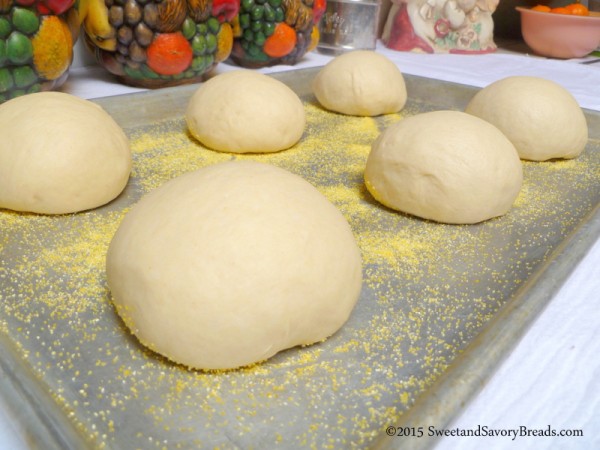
column 360, row 83
column 446, row 166
column 245, row 112
column 60, row 154
column 226, row 266
column 541, row 118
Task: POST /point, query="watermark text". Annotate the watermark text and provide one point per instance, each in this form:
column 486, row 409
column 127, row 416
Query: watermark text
column 483, row 431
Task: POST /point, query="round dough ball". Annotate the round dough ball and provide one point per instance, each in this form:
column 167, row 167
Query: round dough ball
column 245, row 112
column 445, row 166
column 360, row 83
column 226, row 266
column 60, row 154
column 541, row 118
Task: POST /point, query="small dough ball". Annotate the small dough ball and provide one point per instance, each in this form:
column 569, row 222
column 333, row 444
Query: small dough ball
column 226, row 266
column 445, row 166
column 360, row 83
column 541, row 118
column 245, row 112
column 60, row 154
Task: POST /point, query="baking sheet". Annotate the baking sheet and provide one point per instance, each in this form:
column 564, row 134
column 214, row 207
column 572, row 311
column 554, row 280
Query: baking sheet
column 441, row 304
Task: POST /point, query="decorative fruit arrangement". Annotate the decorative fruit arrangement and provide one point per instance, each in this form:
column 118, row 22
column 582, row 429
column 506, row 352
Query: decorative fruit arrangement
column 575, row 9
column 156, row 43
column 36, row 45
column 269, row 32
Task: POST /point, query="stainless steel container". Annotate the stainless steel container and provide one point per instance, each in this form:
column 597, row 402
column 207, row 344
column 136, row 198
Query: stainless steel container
column 349, row 25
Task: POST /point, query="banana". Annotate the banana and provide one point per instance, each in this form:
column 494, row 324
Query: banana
column 5, row 6
column 94, row 15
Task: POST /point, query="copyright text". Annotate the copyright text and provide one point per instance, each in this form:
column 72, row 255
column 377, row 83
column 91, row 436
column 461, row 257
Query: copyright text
column 482, row 431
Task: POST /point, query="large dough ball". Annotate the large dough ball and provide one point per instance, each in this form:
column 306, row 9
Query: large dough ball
column 230, row 264
column 245, row 112
column 541, row 118
column 60, row 154
column 446, row 166
column 360, row 83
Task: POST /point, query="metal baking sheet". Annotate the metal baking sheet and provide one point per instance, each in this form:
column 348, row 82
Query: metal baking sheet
column 441, row 304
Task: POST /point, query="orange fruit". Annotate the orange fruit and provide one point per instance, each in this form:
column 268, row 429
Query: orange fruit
column 169, row 54
column 577, row 9
column 560, row 10
column 281, row 42
column 541, row 8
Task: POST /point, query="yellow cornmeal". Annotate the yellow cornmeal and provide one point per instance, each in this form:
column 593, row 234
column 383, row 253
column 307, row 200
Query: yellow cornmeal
column 428, row 290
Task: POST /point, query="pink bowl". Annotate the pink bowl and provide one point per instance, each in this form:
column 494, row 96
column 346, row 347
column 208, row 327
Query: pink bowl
column 560, row 35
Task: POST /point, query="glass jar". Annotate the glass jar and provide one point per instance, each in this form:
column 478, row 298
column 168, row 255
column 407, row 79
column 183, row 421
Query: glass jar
column 158, row 43
column 36, row 45
column 270, row 32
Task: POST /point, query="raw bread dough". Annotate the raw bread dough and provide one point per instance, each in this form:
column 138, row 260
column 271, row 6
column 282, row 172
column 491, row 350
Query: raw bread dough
column 60, row 154
column 228, row 265
column 360, row 83
column 245, row 112
column 446, row 166
column 541, row 118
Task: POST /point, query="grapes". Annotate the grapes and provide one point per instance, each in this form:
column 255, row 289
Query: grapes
column 18, row 76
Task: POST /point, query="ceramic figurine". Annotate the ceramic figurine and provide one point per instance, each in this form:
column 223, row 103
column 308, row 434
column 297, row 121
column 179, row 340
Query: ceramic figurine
column 157, row 43
column 36, row 45
column 270, row 32
column 441, row 26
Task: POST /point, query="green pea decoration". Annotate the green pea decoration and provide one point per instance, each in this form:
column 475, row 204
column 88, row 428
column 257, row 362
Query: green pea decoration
column 269, row 32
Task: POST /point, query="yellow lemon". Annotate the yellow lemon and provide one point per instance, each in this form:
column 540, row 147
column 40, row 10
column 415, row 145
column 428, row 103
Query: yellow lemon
column 224, row 42
column 52, row 48
column 315, row 35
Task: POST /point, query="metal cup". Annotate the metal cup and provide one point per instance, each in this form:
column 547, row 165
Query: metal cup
column 348, row 25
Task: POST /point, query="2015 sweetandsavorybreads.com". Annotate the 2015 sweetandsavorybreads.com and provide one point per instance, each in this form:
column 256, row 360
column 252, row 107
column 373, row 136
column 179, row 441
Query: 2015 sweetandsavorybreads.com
column 484, row 431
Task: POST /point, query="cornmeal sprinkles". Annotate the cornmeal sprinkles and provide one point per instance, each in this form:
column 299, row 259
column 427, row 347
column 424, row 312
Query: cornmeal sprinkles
column 428, row 290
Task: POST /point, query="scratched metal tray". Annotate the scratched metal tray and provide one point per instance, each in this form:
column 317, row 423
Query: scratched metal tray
column 441, row 305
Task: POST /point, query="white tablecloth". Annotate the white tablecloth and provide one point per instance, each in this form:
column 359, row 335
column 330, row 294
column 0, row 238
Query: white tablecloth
column 552, row 378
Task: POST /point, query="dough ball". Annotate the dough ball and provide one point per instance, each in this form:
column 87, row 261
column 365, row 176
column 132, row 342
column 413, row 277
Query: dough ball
column 60, row 154
column 445, row 166
column 541, row 118
column 360, row 83
column 245, row 112
column 226, row 266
